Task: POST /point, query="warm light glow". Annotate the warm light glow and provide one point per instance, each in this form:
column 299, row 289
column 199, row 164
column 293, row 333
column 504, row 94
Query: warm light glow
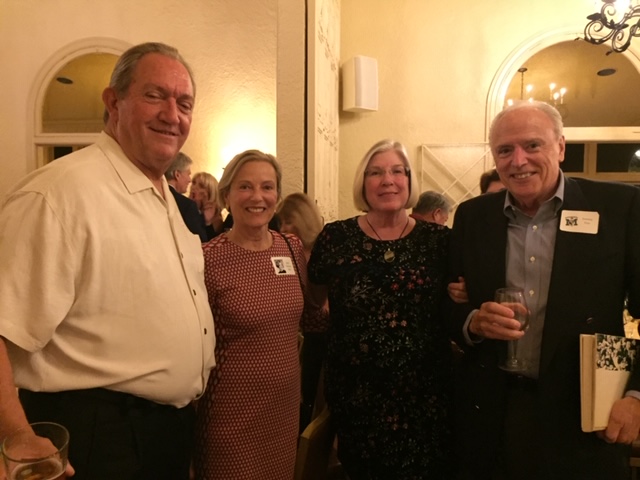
column 622, row 4
column 527, row 92
column 619, row 4
column 244, row 124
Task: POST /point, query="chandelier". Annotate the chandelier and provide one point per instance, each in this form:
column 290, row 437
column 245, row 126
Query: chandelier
column 616, row 24
column 555, row 96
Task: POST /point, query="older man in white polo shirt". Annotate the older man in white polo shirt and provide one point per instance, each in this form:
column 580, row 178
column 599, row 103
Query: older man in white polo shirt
column 105, row 321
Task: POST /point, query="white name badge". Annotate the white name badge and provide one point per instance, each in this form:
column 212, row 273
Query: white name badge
column 578, row 221
column 283, row 266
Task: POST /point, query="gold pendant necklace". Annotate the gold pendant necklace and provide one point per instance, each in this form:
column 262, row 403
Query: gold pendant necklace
column 389, row 256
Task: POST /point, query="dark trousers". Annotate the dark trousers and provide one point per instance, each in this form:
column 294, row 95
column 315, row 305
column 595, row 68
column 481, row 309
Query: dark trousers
column 115, row 435
column 527, row 453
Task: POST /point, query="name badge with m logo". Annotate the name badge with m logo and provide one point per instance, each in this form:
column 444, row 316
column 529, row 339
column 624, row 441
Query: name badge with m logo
column 578, row 221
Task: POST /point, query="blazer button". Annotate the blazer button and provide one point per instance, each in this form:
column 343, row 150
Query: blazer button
column 477, row 407
column 589, row 320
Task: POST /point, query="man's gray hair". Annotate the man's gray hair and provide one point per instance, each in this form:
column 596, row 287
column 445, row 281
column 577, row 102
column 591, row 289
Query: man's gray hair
column 430, row 201
column 550, row 111
column 180, row 164
column 122, row 74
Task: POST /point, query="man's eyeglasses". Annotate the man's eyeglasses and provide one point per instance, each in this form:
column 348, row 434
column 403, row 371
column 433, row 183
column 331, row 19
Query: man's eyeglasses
column 395, row 172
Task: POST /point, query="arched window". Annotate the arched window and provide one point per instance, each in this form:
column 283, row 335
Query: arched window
column 67, row 104
column 600, row 104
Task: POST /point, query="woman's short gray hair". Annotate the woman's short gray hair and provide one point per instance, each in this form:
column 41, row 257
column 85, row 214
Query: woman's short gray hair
column 359, row 195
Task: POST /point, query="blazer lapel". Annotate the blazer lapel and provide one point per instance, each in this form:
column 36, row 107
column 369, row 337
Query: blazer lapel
column 571, row 253
column 490, row 246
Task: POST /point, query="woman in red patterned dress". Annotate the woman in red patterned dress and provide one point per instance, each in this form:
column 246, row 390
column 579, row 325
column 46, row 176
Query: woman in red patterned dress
column 247, row 422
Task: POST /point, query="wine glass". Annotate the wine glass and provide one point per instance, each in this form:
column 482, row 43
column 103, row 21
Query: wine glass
column 514, row 299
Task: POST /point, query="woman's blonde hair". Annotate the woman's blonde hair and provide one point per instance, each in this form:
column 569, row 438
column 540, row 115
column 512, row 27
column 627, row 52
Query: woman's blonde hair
column 359, row 195
column 208, row 182
column 236, row 163
column 302, row 212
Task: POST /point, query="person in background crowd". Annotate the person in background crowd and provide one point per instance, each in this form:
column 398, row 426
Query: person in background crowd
column 204, row 191
column 490, row 182
column 104, row 322
column 572, row 245
column 179, row 177
column 432, row 207
column 388, row 361
column 299, row 215
column 247, row 424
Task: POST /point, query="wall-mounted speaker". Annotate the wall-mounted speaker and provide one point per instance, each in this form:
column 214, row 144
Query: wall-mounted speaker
column 360, row 84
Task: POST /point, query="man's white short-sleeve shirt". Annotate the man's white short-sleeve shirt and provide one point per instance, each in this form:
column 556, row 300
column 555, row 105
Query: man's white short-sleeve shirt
column 101, row 282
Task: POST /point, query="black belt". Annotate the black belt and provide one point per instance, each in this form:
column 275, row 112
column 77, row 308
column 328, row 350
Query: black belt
column 123, row 400
column 522, row 383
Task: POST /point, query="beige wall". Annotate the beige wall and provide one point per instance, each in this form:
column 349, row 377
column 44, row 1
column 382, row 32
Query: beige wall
column 436, row 64
column 230, row 45
column 439, row 64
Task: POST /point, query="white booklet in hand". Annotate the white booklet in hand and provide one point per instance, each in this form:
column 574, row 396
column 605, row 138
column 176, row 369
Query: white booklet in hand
column 606, row 362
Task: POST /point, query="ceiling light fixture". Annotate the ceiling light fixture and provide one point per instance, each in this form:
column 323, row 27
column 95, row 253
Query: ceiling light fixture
column 556, row 95
column 618, row 21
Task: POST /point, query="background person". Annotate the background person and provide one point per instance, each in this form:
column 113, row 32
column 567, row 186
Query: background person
column 490, row 182
column 388, row 361
column 527, row 425
column 105, row 324
column 432, row 207
column 299, row 215
column 247, row 424
column 204, row 191
column 179, row 177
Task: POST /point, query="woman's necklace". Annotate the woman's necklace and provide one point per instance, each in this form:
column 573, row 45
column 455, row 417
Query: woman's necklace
column 389, row 255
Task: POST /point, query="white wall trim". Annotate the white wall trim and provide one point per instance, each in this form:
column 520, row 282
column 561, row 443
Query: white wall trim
column 524, row 51
column 44, row 76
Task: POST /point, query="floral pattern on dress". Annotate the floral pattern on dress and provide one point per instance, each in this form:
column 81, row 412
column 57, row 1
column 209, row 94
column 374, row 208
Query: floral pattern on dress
column 387, row 378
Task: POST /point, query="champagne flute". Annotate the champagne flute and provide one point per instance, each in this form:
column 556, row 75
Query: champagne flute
column 514, row 299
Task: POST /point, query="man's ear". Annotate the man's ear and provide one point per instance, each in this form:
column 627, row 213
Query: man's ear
column 110, row 100
column 563, row 148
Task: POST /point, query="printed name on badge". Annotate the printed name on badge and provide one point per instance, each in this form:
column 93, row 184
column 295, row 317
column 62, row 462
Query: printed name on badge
column 283, row 266
column 579, row 221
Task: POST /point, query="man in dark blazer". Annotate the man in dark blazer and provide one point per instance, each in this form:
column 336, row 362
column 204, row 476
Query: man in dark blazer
column 574, row 246
column 179, row 177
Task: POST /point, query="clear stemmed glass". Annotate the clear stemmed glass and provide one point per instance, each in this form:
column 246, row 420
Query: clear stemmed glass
column 514, row 299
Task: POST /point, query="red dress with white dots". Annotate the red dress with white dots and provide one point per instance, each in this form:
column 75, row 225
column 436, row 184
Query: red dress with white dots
column 247, row 423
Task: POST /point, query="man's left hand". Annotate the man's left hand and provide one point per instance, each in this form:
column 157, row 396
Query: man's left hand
column 624, row 421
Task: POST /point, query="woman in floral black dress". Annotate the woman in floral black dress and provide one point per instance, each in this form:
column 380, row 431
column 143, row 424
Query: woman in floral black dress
column 388, row 362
